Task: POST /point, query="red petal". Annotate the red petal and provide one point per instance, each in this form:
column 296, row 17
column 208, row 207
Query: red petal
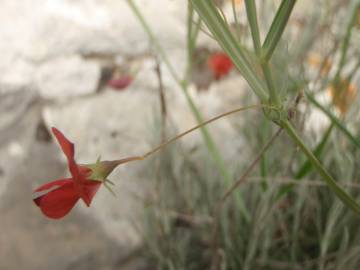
column 84, row 171
column 54, row 183
column 68, row 149
column 89, row 189
column 78, row 173
column 66, row 145
column 57, row 203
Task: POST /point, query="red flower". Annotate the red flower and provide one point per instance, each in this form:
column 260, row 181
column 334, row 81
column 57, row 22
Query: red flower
column 220, row 64
column 120, row 83
column 65, row 193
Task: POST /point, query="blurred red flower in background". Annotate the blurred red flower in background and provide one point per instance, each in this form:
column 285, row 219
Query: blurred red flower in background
column 65, row 193
column 120, row 83
column 220, row 64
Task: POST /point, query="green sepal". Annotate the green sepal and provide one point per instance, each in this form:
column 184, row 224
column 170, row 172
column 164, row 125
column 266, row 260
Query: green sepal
column 106, row 184
column 98, row 172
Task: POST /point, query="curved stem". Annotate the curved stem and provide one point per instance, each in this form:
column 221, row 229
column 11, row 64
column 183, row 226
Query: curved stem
column 163, row 145
column 182, row 134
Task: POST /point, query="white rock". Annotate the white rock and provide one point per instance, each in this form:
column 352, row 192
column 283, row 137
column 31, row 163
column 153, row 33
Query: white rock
column 15, row 149
column 55, row 27
column 317, row 121
column 38, row 31
column 67, row 77
column 15, row 72
column 18, row 121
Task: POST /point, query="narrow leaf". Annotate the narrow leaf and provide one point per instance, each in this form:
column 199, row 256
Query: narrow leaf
column 277, row 28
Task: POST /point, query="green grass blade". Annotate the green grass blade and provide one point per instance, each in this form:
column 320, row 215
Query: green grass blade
column 264, row 161
column 307, row 166
column 252, row 18
column 333, row 119
column 254, row 27
column 277, row 28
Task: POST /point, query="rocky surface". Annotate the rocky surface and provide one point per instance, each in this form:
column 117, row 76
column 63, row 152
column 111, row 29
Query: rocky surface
column 66, row 77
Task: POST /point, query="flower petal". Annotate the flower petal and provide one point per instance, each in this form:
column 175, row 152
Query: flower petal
column 57, row 203
column 89, row 189
column 68, row 149
column 84, row 171
column 54, row 183
column 66, row 145
column 79, row 173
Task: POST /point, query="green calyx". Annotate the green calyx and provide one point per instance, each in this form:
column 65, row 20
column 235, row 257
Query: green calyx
column 100, row 170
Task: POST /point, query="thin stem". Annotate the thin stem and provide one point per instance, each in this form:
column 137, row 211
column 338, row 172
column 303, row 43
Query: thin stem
column 306, row 182
column 251, row 167
column 220, row 204
column 153, row 40
column 190, row 42
column 353, row 71
column 252, row 18
column 237, row 24
column 162, row 99
column 254, row 27
column 274, row 97
column 353, row 10
column 346, row 199
column 163, row 145
column 307, row 165
column 126, row 160
column 193, row 29
column 205, row 31
column 263, row 162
